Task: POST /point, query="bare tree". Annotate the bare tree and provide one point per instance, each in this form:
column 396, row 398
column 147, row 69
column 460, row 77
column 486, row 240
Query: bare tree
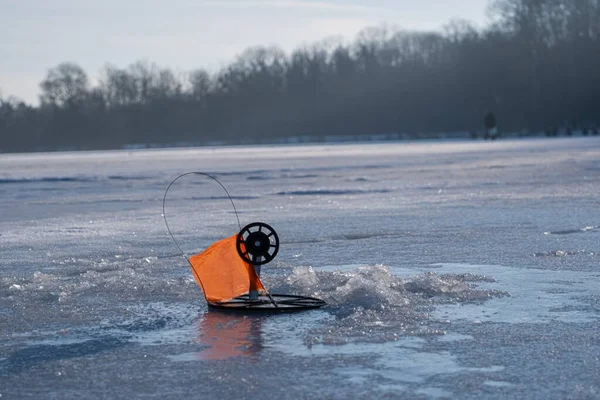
column 65, row 85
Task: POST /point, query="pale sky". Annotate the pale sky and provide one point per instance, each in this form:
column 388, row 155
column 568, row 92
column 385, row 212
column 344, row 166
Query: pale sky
column 186, row 34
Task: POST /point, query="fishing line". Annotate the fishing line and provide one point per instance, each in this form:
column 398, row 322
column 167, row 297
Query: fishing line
column 165, row 200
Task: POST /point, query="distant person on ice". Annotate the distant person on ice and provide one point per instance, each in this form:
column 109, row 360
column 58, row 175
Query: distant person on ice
column 491, row 130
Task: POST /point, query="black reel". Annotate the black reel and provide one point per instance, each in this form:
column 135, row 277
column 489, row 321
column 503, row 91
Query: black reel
column 260, row 241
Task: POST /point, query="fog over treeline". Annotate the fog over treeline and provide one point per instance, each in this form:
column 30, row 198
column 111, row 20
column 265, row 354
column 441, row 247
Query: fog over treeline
column 536, row 67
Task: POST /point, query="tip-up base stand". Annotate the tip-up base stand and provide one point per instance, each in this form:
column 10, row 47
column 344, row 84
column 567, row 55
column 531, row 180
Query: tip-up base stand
column 284, row 303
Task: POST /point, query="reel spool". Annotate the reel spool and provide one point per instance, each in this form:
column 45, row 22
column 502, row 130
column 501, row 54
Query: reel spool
column 257, row 243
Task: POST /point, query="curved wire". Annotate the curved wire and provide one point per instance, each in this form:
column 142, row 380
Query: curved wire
column 165, row 200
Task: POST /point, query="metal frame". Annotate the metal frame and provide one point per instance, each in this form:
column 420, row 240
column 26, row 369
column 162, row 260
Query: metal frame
column 283, row 303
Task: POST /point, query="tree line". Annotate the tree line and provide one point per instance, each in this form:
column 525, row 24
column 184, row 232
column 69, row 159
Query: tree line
column 535, row 66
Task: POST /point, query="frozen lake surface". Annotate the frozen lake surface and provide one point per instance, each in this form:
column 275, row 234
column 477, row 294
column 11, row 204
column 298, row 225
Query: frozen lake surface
column 451, row 270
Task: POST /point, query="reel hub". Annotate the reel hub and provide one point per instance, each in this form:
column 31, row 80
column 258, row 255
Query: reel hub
column 257, row 243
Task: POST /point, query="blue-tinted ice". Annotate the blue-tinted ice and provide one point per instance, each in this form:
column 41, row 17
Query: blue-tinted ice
column 451, row 269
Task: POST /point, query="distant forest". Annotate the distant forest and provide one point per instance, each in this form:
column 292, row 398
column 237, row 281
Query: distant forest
column 536, row 67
